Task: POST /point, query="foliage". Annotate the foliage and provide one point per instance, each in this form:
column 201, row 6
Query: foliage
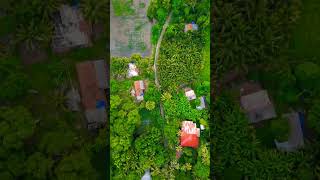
column 203, row 88
column 13, row 82
column 148, row 147
column 152, row 94
column 239, row 147
column 180, row 108
column 58, row 71
column 124, row 112
column 35, row 28
column 155, row 33
column 201, row 171
column 33, row 35
column 307, row 73
column 314, row 115
column 75, row 166
column 95, row 11
column 38, row 166
column 51, row 146
column 249, row 32
column 122, row 7
column 150, row 105
column 180, row 60
column 159, row 9
column 17, row 124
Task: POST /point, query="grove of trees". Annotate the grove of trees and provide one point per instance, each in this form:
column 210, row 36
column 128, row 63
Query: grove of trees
column 39, row 138
column 256, row 38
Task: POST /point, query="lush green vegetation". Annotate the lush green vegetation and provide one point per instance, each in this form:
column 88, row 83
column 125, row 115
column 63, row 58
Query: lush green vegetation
column 40, row 138
column 139, row 133
column 131, row 139
column 269, row 43
column 180, row 60
column 122, row 7
column 153, row 144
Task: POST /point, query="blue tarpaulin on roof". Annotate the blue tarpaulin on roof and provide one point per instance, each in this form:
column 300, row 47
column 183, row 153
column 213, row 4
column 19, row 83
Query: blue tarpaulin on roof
column 100, row 104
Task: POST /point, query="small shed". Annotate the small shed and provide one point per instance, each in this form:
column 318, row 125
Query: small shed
column 191, row 27
column 190, row 94
column 295, row 140
column 133, row 70
column 258, row 106
column 139, row 88
column 203, row 103
column 189, row 134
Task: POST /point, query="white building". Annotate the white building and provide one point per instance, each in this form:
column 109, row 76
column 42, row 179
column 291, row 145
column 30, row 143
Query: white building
column 133, row 70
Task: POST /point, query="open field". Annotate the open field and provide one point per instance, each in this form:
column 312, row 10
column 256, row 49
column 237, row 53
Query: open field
column 131, row 33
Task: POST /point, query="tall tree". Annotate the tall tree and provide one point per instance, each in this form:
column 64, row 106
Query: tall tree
column 38, row 166
column 76, row 166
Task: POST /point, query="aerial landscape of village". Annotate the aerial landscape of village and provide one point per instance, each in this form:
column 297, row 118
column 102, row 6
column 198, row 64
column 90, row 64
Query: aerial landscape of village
column 159, row 89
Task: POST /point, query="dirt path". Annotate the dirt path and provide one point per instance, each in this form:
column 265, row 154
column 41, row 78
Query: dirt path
column 164, row 28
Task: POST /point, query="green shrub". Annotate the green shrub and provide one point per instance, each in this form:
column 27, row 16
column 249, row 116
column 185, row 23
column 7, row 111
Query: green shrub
column 122, row 7
column 13, row 82
column 155, row 33
column 307, row 74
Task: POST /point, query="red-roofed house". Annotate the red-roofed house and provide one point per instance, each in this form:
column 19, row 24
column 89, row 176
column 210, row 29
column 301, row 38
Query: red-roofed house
column 93, row 83
column 139, row 88
column 189, row 134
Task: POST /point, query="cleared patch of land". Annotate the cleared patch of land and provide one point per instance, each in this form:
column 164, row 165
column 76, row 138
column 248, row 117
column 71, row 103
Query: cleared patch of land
column 130, row 34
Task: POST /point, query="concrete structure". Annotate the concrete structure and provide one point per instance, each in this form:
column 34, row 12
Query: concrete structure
column 133, row 70
column 71, row 30
column 258, row 106
column 190, row 94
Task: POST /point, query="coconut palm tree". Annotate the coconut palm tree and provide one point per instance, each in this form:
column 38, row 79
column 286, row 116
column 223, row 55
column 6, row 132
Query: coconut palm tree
column 47, row 8
column 34, row 35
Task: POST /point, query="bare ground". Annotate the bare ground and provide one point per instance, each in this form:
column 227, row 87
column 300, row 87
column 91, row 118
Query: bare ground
column 131, row 34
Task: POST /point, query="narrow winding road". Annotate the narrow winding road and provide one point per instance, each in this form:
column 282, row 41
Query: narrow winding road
column 164, row 28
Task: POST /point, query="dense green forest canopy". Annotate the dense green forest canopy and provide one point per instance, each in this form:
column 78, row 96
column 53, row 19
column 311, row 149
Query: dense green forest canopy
column 39, row 137
column 151, row 145
column 260, row 39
